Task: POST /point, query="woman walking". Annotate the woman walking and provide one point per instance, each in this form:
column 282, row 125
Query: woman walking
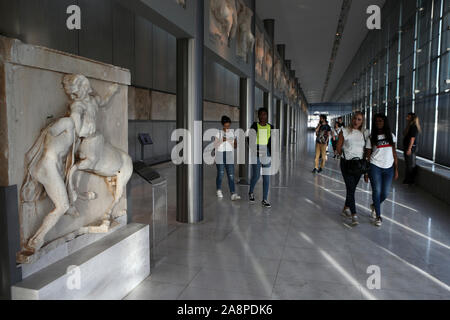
column 410, row 147
column 382, row 153
column 225, row 145
column 351, row 145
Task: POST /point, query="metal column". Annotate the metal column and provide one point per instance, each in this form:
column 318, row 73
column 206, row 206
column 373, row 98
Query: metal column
column 190, row 117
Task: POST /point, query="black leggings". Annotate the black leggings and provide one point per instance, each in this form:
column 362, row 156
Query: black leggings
column 351, row 182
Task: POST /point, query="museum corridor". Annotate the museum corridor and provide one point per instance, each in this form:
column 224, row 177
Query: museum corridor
column 301, row 248
column 224, row 150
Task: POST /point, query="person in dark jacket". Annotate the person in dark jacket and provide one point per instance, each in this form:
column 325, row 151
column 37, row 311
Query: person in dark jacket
column 263, row 141
column 410, row 147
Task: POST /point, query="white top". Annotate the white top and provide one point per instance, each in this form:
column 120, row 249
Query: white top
column 354, row 143
column 382, row 155
column 227, row 146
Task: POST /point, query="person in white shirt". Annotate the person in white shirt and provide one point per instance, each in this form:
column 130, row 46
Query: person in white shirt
column 383, row 163
column 351, row 144
column 225, row 143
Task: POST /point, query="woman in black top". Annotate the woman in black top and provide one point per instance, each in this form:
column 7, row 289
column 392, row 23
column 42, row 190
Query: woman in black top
column 410, row 147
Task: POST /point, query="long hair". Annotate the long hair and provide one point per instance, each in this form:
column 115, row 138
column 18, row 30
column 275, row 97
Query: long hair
column 386, row 130
column 357, row 113
column 415, row 121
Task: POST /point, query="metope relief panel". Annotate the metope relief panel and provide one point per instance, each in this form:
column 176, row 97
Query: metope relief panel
column 245, row 38
column 223, row 21
column 259, row 53
column 268, row 62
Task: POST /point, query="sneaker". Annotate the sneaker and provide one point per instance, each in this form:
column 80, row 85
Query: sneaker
column 235, row 197
column 251, row 197
column 219, row 194
column 265, row 204
column 355, row 221
column 315, row 170
column 320, row 170
column 374, row 214
column 378, row 221
column 346, row 213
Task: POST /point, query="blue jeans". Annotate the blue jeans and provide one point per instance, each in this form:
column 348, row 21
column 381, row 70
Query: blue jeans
column 256, row 174
column 351, row 182
column 381, row 181
column 228, row 165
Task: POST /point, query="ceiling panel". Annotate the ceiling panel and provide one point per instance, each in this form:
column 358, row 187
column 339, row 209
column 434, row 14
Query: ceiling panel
column 308, row 28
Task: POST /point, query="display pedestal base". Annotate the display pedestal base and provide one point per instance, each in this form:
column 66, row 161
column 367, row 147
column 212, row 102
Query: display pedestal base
column 108, row 269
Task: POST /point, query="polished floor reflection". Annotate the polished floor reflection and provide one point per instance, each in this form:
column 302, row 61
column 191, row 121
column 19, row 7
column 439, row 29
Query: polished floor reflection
column 302, row 248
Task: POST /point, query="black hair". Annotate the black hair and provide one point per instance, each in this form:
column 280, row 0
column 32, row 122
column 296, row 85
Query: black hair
column 324, row 117
column 225, row 119
column 261, row 110
column 386, row 130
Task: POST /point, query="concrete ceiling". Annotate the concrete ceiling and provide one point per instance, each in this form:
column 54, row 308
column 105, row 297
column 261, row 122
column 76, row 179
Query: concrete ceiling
column 308, row 28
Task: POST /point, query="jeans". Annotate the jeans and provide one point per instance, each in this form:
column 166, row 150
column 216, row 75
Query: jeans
column 221, row 167
column 351, row 182
column 321, row 150
column 381, row 181
column 410, row 164
column 256, row 174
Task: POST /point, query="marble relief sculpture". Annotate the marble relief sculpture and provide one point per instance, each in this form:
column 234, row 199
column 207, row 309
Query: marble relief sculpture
column 246, row 39
column 259, row 53
column 268, row 63
column 182, row 3
column 65, row 147
column 277, row 73
column 223, row 20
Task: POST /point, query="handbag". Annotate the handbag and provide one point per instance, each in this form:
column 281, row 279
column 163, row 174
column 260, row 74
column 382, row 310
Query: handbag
column 356, row 166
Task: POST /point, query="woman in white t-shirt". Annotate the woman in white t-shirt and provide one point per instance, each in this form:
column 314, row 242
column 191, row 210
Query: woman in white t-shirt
column 383, row 164
column 225, row 143
column 351, row 145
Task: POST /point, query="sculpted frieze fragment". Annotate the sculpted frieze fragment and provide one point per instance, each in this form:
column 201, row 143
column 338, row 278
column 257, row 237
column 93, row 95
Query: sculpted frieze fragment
column 223, row 20
column 64, row 149
column 182, row 3
column 277, row 73
column 246, row 39
column 259, row 53
column 268, row 63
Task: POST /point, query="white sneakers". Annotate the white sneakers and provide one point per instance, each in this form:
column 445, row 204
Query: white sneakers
column 234, row 196
column 346, row 213
column 374, row 213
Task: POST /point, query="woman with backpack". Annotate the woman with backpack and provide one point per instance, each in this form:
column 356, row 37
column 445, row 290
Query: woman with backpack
column 351, row 145
column 382, row 153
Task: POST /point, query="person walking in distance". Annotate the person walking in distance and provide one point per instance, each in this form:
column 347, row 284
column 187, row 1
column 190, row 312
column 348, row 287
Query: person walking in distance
column 263, row 141
column 323, row 133
column 382, row 153
column 225, row 143
column 335, row 137
column 410, row 134
column 351, row 145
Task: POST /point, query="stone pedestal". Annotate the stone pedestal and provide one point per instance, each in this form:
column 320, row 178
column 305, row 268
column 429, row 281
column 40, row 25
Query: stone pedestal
column 108, row 269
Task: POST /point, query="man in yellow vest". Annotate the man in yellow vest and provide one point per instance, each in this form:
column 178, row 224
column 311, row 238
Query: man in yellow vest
column 264, row 151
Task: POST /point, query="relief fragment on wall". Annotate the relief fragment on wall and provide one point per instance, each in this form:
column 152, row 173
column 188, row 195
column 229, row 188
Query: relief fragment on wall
column 245, row 39
column 259, row 53
column 59, row 164
column 268, row 62
column 223, row 21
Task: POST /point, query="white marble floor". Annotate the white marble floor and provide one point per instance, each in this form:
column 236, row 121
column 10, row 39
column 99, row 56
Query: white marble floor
column 302, row 248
